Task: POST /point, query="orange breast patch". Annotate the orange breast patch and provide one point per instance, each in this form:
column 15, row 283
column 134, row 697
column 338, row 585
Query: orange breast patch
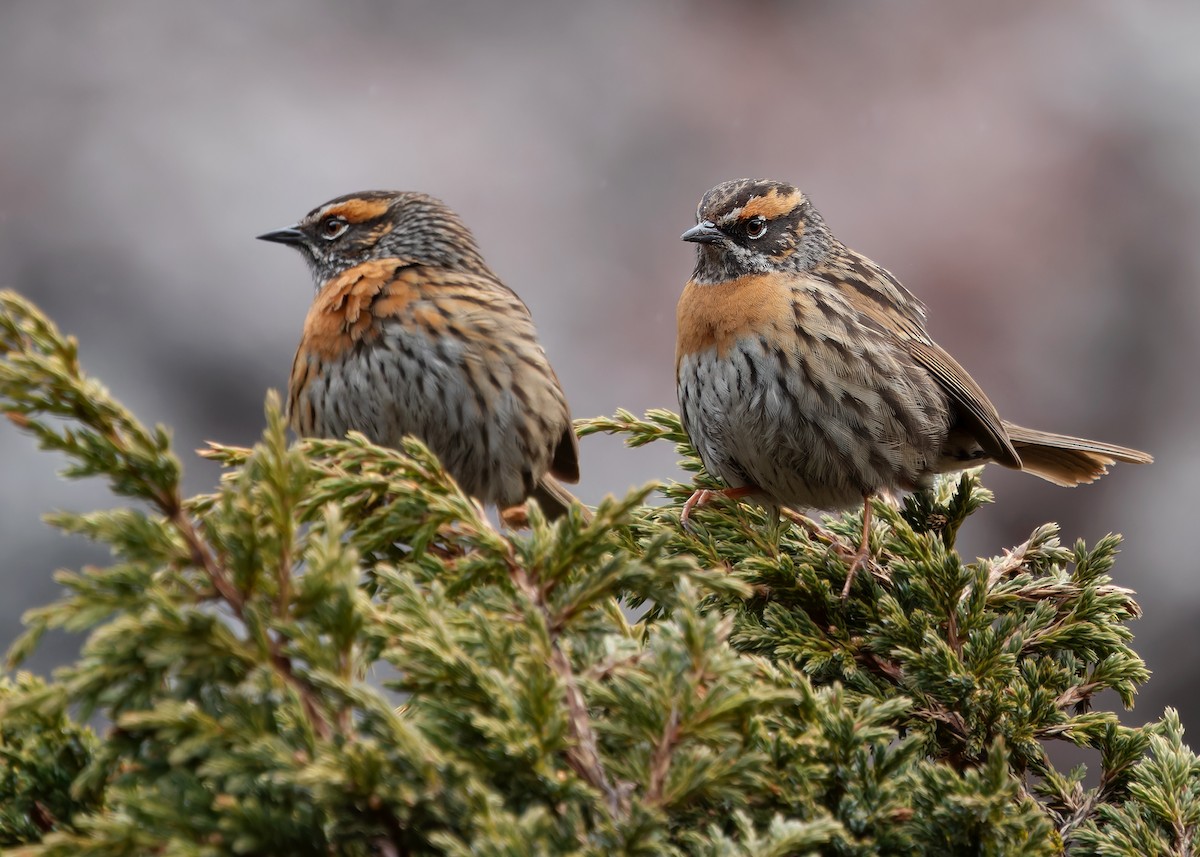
column 342, row 312
column 718, row 316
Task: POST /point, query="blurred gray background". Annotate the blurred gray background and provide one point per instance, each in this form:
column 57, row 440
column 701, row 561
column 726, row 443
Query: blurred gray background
column 1029, row 170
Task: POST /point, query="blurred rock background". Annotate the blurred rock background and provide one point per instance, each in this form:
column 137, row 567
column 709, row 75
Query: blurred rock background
column 1030, row 170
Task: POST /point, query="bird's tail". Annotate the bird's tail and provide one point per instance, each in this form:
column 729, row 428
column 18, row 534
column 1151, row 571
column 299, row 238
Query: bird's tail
column 554, row 499
column 1066, row 460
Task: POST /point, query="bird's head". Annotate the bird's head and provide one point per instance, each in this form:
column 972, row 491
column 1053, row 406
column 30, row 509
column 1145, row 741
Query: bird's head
column 755, row 226
column 380, row 224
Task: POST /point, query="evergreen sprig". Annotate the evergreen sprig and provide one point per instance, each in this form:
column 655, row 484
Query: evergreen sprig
column 336, row 651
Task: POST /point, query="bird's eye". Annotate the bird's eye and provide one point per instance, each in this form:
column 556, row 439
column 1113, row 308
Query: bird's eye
column 332, row 227
column 756, row 227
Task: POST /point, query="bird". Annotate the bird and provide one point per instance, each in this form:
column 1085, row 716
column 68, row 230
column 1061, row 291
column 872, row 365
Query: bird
column 412, row 333
column 806, row 377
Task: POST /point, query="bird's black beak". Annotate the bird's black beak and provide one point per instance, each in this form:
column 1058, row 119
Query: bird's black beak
column 704, row 232
column 291, row 235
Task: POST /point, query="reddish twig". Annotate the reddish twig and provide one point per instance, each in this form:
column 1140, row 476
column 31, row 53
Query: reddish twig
column 660, row 762
column 202, row 557
column 583, row 756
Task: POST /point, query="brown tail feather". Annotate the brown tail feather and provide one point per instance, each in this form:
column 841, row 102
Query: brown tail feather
column 554, row 499
column 1066, row 460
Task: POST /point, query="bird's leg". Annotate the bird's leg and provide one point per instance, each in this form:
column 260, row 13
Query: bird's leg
column 705, row 495
column 864, row 547
column 815, row 531
column 818, row 533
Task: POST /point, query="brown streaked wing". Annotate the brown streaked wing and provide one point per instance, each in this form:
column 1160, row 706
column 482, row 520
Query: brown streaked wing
column 876, row 294
column 904, row 322
column 971, row 403
column 483, row 303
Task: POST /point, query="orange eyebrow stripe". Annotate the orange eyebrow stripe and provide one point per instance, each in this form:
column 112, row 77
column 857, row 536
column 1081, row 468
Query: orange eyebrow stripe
column 772, row 205
column 358, row 210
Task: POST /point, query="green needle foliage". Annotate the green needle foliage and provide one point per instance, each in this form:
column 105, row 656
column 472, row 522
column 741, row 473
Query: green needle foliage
column 336, row 652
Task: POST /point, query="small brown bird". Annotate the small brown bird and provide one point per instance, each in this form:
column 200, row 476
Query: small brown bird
column 412, row 334
column 806, row 378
